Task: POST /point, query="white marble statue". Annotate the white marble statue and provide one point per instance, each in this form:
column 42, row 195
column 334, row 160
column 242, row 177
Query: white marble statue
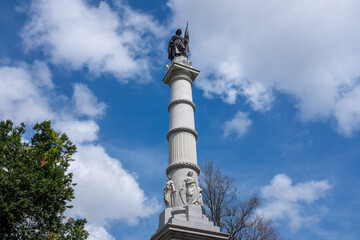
column 191, row 190
column 169, row 191
column 200, row 200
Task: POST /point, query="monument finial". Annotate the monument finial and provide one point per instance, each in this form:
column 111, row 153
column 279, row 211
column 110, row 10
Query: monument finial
column 178, row 45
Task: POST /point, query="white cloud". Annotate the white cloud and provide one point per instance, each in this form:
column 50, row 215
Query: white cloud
column 304, row 48
column 283, row 200
column 98, row 233
column 23, row 93
column 239, row 125
column 77, row 34
column 79, row 131
column 105, row 190
column 86, row 102
column 41, row 74
column 347, row 112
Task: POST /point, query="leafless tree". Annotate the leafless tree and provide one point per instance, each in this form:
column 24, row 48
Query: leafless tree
column 233, row 215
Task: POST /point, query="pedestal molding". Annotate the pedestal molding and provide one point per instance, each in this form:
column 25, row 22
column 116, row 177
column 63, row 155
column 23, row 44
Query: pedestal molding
column 181, row 129
column 177, row 101
column 174, row 231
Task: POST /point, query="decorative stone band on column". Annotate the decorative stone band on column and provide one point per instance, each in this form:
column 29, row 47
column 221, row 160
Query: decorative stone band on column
column 182, row 129
column 183, row 165
column 177, row 101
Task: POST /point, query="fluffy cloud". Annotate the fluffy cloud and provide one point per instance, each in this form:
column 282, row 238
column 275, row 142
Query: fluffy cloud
column 238, row 126
column 79, row 131
column 105, row 190
column 77, row 34
column 347, row 112
column 98, row 233
column 23, row 92
column 285, row 200
column 86, row 103
column 307, row 49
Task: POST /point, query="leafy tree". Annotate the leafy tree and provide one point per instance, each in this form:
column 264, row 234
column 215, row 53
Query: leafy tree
column 35, row 187
column 234, row 216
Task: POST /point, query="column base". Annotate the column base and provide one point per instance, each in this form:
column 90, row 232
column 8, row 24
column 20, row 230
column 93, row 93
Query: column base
column 185, row 223
column 176, row 232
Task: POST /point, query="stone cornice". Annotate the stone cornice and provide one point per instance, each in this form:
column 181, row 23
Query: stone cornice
column 176, row 69
column 177, row 101
column 181, row 129
column 183, row 165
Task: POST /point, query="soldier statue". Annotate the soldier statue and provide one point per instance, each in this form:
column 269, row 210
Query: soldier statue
column 178, row 45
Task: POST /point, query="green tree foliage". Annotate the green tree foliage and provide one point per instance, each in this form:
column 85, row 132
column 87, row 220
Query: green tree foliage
column 35, row 187
column 233, row 215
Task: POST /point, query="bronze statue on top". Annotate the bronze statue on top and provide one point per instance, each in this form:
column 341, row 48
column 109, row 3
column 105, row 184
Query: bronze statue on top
column 179, row 46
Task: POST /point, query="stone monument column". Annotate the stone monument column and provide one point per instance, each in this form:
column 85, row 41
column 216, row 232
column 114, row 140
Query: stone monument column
column 183, row 217
column 182, row 135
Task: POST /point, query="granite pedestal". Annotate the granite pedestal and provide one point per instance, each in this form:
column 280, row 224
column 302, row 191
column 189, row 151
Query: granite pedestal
column 186, row 223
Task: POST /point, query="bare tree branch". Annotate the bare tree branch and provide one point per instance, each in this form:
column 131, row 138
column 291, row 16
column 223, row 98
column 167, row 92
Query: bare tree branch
column 223, row 206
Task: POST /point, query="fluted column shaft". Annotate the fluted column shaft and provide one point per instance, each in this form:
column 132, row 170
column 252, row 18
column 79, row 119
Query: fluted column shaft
column 181, row 135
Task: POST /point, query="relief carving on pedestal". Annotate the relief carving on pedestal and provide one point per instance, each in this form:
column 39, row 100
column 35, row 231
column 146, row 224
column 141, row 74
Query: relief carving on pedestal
column 190, row 192
column 169, row 193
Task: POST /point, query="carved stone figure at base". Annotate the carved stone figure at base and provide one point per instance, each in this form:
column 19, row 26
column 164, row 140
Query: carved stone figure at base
column 191, row 190
column 200, row 200
column 169, row 191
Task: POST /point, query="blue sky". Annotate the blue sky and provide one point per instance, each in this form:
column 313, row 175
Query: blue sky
column 277, row 103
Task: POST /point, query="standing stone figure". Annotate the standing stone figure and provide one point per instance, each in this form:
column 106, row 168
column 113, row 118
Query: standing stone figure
column 192, row 190
column 199, row 199
column 169, row 191
column 179, row 46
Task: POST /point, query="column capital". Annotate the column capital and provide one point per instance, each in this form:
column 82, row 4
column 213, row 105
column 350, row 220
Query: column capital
column 176, row 69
